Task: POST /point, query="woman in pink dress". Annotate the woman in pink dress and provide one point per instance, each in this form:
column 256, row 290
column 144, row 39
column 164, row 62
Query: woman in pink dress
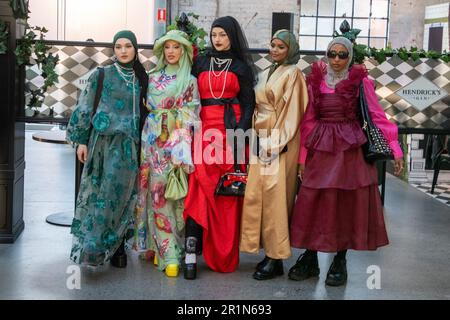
column 338, row 206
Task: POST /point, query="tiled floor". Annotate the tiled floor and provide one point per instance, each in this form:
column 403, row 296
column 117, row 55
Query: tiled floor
column 441, row 191
column 415, row 265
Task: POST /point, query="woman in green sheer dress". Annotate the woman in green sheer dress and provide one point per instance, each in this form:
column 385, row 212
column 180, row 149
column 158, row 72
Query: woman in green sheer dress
column 108, row 144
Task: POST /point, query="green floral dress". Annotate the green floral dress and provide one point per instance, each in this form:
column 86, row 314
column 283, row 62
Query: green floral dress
column 107, row 194
column 166, row 140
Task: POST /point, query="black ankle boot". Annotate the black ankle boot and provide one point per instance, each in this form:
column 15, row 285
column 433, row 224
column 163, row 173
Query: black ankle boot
column 337, row 274
column 119, row 259
column 306, row 266
column 269, row 270
column 262, row 263
column 190, row 271
column 190, row 268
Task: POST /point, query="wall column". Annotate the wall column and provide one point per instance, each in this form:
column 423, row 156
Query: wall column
column 12, row 136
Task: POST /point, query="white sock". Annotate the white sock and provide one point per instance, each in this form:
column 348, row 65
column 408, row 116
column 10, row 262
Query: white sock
column 191, row 258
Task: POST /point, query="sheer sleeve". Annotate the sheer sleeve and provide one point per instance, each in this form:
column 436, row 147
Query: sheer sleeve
column 79, row 123
column 389, row 129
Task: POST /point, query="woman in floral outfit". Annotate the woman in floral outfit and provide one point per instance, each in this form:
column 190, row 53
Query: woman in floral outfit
column 173, row 106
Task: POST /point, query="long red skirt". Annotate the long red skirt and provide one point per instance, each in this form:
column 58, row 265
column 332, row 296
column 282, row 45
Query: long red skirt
column 219, row 216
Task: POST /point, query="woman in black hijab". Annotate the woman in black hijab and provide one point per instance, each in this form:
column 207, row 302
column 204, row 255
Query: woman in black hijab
column 225, row 82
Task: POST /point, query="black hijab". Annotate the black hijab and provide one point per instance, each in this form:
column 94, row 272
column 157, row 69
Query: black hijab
column 238, row 41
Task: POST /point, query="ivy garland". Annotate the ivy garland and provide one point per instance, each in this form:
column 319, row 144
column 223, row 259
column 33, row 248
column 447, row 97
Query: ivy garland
column 361, row 51
column 32, row 44
column 19, row 8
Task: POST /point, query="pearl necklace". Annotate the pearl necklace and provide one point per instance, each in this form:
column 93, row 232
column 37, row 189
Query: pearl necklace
column 129, row 78
column 219, row 63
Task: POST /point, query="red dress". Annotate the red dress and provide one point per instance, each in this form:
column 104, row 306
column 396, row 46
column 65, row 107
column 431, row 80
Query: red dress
column 338, row 206
column 219, row 216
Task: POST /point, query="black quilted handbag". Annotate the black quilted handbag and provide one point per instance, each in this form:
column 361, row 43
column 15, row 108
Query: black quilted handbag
column 376, row 148
column 232, row 183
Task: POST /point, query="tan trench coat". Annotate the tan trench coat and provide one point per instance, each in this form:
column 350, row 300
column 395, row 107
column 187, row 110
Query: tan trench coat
column 271, row 188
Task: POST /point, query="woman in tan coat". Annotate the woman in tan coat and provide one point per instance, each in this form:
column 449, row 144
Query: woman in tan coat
column 281, row 98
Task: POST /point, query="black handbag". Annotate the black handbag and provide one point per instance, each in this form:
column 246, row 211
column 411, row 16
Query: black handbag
column 376, row 148
column 98, row 95
column 232, row 183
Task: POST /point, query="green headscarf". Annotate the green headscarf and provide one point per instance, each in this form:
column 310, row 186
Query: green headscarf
column 294, row 50
column 127, row 34
column 185, row 62
column 291, row 41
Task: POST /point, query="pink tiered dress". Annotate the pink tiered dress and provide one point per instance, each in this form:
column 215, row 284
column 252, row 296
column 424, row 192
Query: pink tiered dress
column 339, row 206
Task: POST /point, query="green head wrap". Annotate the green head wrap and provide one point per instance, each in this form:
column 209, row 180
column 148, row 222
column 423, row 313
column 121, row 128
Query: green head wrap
column 185, row 62
column 291, row 41
column 293, row 52
column 127, row 34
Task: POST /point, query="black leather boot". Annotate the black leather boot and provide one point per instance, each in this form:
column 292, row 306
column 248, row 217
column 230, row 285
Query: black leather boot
column 119, row 259
column 193, row 229
column 337, row 274
column 190, row 265
column 262, row 263
column 306, row 266
column 269, row 270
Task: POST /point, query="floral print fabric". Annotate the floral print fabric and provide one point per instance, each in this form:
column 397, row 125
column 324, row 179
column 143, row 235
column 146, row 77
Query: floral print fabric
column 107, row 194
column 166, row 141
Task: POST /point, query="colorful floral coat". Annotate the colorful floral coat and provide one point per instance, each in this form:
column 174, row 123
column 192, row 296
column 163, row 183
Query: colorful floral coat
column 166, row 141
